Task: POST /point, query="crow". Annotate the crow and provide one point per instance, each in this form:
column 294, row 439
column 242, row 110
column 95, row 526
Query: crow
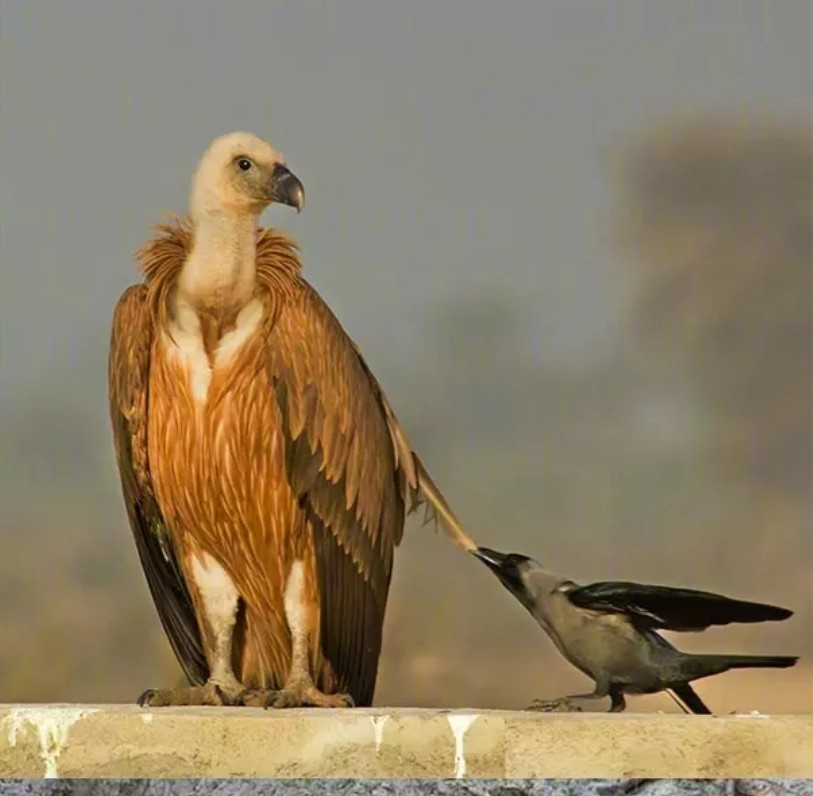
column 608, row 631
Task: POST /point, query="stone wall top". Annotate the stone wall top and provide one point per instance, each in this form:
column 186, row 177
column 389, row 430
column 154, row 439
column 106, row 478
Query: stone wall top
column 128, row 741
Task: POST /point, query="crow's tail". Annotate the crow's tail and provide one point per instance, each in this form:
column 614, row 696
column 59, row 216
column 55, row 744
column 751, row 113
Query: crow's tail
column 706, row 665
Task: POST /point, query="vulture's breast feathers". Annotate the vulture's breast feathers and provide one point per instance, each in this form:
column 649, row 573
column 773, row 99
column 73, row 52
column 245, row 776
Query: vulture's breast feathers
column 206, row 347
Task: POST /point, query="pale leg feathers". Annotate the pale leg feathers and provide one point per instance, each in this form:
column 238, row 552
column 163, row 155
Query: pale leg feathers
column 219, row 599
column 299, row 689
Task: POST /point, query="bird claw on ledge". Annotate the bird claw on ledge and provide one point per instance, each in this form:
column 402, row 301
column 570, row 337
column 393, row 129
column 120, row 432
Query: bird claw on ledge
column 306, row 696
column 209, row 694
column 561, row 705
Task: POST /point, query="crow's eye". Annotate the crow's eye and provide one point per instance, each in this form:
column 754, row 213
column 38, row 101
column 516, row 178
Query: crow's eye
column 244, row 164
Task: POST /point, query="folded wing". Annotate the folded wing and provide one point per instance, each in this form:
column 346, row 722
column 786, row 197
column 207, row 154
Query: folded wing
column 128, row 373
column 671, row 608
column 350, row 472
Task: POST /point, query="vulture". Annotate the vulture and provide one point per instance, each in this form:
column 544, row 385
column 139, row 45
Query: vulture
column 265, row 475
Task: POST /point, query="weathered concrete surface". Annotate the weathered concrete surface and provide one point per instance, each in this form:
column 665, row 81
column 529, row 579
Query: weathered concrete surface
column 127, row 741
column 406, row 787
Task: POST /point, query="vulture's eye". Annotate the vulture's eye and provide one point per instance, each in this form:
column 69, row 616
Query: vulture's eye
column 244, row 164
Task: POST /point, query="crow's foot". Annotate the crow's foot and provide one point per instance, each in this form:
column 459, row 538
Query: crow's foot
column 561, row 705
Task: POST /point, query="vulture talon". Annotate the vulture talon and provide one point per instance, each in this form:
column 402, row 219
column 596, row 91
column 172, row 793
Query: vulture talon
column 251, row 698
column 210, row 694
column 305, row 696
column 145, row 700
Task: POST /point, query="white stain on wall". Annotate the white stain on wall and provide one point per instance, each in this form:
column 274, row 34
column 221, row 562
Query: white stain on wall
column 378, row 729
column 51, row 725
column 460, row 723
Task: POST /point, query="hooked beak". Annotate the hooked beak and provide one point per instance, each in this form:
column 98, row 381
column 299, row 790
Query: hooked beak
column 491, row 558
column 286, row 189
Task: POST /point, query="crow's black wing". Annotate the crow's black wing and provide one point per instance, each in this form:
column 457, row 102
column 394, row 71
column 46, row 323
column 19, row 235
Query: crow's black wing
column 671, row 608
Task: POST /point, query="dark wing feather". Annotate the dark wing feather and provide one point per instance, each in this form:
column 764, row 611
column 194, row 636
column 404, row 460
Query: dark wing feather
column 129, row 367
column 347, row 467
column 671, row 608
column 689, row 697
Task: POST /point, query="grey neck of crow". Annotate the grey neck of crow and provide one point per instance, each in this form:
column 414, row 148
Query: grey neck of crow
column 537, row 583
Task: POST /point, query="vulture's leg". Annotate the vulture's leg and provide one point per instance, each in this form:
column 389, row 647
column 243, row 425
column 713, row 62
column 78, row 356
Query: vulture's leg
column 217, row 601
column 299, row 689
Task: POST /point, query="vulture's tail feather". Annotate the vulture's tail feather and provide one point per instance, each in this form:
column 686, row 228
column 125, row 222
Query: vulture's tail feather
column 439, row 508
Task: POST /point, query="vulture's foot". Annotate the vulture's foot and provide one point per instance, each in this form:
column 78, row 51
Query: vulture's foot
column 306, row 695
column 209, row 694
column 561, row 705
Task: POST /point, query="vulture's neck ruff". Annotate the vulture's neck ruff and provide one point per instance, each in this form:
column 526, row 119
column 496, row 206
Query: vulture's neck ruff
column 277, row 268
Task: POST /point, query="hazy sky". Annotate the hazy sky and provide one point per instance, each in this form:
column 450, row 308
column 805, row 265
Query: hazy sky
column 455, row 146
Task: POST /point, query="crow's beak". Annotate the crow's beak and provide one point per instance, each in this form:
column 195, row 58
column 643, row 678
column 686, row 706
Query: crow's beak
column 286, row 189
column 490, row 558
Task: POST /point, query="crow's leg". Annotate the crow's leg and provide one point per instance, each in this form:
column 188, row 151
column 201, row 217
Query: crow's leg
column 617, row 701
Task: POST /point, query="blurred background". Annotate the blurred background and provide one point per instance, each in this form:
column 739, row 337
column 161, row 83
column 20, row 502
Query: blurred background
column 573, row 240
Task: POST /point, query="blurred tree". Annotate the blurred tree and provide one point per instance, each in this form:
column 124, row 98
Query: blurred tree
column 719, row 219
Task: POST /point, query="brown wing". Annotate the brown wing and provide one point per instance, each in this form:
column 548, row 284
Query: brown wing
column 343, row 467
column 129, row 368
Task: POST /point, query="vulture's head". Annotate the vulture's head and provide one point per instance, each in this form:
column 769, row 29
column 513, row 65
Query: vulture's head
column 242, row 174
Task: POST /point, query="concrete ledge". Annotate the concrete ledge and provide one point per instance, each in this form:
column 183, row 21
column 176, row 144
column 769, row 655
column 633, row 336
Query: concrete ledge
column 127, row 741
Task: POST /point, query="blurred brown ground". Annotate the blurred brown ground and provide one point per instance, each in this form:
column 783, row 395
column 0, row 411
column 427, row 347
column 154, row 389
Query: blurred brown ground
column 685, row 460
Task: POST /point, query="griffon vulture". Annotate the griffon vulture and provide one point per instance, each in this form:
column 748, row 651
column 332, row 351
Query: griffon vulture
column 265, row 475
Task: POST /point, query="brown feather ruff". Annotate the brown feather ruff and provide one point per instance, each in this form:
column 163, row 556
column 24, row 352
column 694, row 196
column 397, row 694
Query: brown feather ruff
column 161, row 258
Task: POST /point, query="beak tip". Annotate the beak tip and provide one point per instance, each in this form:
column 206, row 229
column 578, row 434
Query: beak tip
column 286, row 188
column 297, row 195
column 489, row 557
column 479, row 552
